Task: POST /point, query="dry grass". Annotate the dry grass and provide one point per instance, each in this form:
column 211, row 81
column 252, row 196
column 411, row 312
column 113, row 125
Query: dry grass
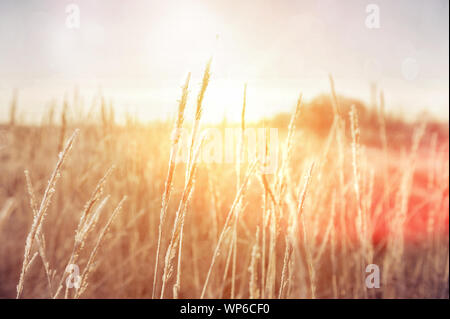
column 333, row 206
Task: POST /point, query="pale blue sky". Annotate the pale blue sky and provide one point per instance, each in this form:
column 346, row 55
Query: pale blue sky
column 138, row 52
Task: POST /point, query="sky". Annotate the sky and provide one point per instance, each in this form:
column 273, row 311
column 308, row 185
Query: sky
column 137, row 53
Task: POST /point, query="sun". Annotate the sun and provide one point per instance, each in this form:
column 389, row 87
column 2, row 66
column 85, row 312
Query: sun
column 224, row 99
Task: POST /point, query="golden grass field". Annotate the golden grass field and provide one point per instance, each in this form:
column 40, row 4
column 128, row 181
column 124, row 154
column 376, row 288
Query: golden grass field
column 362, row 189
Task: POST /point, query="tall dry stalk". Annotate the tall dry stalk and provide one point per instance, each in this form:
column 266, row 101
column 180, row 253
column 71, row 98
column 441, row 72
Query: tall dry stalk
column 334, row 100
column 306, row 244
column 13, row 108
column 89, row 264
column 40, row 240
column 280, row 184
column 253, row 269
column 168, row 184
column 63, row 128
column 239, row 159
column 40, row 216
column 198, row 113
column 361, row 218
column 190, row 172
column 395, row 244
column 356, row 171
column 177, row 230
column 86, row 224
column 333, row 246
column 6, row 210
column 230, row 215
column 384, row 143
column 285, row 271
